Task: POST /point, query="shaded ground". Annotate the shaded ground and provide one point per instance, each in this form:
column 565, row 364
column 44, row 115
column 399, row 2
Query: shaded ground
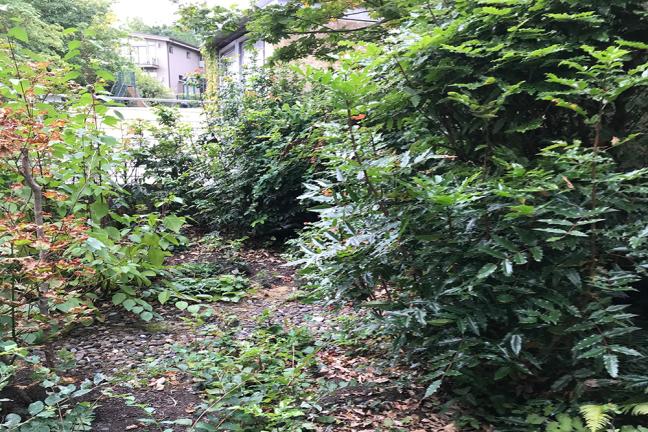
column 124, row 348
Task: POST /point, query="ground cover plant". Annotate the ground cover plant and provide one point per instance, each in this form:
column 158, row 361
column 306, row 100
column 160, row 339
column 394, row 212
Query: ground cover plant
column 259, row 383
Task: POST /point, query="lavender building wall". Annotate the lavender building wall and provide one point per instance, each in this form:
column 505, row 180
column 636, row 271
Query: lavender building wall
column 166, row 59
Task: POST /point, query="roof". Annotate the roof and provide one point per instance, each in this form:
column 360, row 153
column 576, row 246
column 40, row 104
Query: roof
column 224, row 38
column 165, row 39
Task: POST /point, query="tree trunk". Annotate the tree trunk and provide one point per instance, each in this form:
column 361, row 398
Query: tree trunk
column 43, row 288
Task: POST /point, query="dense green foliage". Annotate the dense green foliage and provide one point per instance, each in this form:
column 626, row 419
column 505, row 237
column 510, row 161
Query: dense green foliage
column 66, row 243
column 262, row 151
column 150, row 87
column 472, row 172
column 259, row 383
column 243, row 176
column 482, row 187
column 70, row 31
column 139, row 26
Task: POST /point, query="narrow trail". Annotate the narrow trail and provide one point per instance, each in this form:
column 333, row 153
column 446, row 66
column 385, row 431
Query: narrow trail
column 133, row 353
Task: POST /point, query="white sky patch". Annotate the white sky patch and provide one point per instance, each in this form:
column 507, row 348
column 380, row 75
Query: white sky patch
column 156, row 12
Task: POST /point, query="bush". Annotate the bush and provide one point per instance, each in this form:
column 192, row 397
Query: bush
column 62, row 244
column 480, row 199
column 262, row 150
column 150, row 87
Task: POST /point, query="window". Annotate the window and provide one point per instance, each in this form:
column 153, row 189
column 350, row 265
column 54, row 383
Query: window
column 171, row 49
column 188, row 54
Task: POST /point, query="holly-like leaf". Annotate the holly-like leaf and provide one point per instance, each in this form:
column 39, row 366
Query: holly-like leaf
column 516, row 344
column 611, row 363
column 486, row 271
column 432, row 389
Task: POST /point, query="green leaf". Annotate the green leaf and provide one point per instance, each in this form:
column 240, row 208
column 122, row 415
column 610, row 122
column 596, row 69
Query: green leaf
column 118, row 298
column 625, row 350
column 502, row 373
column 194, row 309
column 36, row 407
column 98, row 209
column 71, row 54
column 74, row 44
column 106, row 75
column 508, row 267
column 183, row 422
column 173, row 222
column 164, row 296
column 182, row 305
column 535, row 419
column 574, row 278
column 588, row 342
column 432, row 389
column 486, row 271
column 156, row 256
column 129, row 304
column 146, row 316
column 516, row 344
column 12, row 420
column 19, row 33
column 551, row 230
column 524, row 210
column 611, row 363
column 94, row 244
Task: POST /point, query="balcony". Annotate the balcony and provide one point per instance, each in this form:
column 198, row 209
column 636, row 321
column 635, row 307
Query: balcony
column 147, row 62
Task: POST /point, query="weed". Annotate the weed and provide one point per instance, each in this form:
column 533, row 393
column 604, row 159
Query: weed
column 260, row 383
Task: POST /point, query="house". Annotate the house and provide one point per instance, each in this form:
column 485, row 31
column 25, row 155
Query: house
column 235, row 53
column 168, row 60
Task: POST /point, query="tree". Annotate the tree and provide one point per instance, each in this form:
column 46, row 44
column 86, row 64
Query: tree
column 71, row 13
column 53, row 26
column 46, row 38
column 172, row 31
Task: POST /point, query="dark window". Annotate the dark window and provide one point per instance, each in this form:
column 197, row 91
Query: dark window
column 188, row 54
column 171, row 49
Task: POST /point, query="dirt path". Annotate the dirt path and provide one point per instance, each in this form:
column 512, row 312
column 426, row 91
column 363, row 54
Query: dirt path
column 131, row 353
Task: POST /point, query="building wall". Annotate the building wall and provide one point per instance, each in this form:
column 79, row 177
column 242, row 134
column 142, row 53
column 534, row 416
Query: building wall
column 182, row 61
column 238, row 54
column 162, row 72
column 164, row 60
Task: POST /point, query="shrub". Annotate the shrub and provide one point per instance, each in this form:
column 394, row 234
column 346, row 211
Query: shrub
column 150, row 87
column 479, row 199
column 62, row 245
column 261, row 150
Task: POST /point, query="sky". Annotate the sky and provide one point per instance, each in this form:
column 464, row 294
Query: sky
column 160, row 11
